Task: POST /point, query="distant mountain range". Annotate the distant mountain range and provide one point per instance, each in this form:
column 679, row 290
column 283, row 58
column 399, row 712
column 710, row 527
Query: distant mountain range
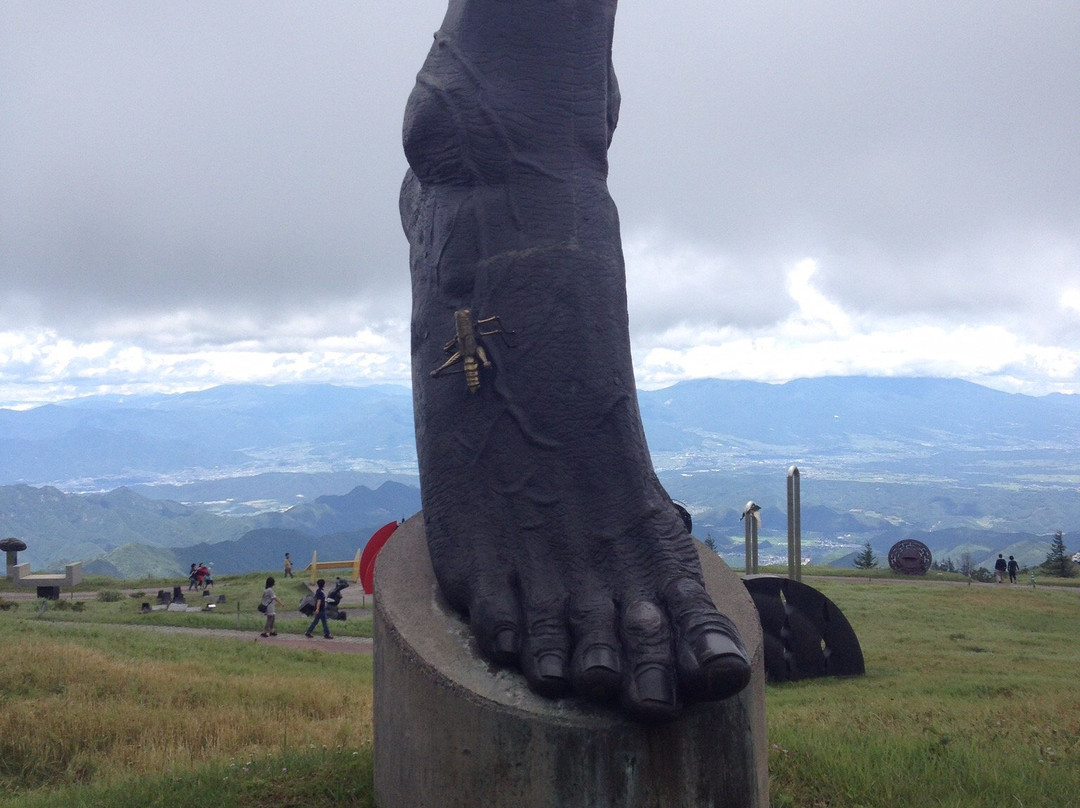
column 105, row 442
column 964, row 468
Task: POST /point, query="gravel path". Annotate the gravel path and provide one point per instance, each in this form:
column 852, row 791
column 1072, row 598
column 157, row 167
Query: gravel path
column 348, row 645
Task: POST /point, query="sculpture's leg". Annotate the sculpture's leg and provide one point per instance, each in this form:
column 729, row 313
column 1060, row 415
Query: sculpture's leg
column 546, row 523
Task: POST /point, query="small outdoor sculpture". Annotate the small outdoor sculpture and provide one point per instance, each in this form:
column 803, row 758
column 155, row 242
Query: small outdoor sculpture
column 467, row 349
column 545, row 521
column 910, row 557
column 11, row 547
column 806, row 634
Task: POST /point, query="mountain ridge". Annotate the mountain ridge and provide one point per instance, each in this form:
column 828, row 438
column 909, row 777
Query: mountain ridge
column 881, row 458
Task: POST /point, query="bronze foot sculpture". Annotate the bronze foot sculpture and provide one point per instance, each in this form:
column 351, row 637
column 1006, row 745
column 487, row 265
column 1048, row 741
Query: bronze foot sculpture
column 546, row 523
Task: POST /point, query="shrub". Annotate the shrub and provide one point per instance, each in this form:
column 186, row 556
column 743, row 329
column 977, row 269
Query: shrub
column 109, row 595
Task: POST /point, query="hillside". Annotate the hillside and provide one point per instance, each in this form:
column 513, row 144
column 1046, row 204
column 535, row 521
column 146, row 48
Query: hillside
column 126, row 535
column 59, row 527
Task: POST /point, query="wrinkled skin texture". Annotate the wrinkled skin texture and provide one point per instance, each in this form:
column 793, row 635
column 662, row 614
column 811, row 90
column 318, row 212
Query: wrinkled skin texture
column 546, row 523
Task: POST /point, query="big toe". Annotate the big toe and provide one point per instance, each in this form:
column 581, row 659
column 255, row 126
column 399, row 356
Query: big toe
column 714, row 666
column 713, row 663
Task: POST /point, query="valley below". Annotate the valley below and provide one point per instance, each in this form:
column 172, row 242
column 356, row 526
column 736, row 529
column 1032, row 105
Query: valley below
column 142, row 485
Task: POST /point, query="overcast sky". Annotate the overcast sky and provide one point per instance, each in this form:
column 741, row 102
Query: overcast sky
column 197, row 193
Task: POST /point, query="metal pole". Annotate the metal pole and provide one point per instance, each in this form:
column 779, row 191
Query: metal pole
column 750, row 514
column 791, row 522
column 753, row 533
column 748, row 518
column 794, row 524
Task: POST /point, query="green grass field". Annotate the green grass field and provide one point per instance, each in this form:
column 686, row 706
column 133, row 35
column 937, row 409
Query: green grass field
column 971, row 698
column 242, row 594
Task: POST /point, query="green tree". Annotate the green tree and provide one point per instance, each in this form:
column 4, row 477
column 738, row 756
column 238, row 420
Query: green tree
column 967, row 564
column 866, row 560
column 945, row 565
column 710, row 542
column 1058, row 562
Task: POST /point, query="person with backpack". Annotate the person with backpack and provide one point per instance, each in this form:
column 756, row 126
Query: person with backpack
column 320, row 612
column 268, row 607
column 999, row 568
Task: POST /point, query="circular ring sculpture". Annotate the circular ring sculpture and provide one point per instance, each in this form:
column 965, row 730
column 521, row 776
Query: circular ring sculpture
column 910, row 557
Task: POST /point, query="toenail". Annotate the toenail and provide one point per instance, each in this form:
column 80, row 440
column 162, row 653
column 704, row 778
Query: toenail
column 507, row 643
column 551, row 666
column 654, row 684
column 713, row 644
column 600, row 657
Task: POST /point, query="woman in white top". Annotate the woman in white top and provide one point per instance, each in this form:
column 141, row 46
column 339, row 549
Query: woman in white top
column 269, row 599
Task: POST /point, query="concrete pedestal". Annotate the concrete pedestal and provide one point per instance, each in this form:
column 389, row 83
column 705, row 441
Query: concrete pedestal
column 451, row 731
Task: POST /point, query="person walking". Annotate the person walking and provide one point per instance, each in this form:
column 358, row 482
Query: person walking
column 288, row 567
column 999, row 568
column 269, row 603
column 1013, row 568
column 320, row 611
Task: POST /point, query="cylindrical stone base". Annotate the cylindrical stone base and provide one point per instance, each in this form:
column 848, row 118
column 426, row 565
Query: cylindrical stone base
column 451, row 731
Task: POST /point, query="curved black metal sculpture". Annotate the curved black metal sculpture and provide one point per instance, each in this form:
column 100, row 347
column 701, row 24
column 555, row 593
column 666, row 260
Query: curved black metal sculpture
column 910, row 557
column 546, row 523
column 806, row 635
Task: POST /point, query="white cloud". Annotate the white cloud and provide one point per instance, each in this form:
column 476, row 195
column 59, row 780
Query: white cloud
column 38, row 367
column 820, row 339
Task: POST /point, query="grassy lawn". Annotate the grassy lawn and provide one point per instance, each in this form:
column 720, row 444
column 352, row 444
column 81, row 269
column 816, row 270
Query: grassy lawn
column 971, row 698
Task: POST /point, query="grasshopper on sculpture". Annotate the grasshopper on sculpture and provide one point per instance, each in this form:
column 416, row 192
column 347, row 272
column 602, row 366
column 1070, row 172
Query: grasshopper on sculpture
column 466, row 348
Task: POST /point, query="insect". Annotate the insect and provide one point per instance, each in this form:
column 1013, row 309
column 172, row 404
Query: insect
column 465, row 347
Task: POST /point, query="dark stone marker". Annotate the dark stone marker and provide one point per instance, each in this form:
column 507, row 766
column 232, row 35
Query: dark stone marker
column 545, row 521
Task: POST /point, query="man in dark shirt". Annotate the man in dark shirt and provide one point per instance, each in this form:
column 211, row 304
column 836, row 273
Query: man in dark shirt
column 320, row 612
column 999, row 568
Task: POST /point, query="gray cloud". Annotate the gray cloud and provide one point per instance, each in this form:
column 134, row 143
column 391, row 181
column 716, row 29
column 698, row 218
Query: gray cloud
column 184, row 175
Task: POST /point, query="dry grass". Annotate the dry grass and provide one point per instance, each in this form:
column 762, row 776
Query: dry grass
column 83, row 707
column 971, row 699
